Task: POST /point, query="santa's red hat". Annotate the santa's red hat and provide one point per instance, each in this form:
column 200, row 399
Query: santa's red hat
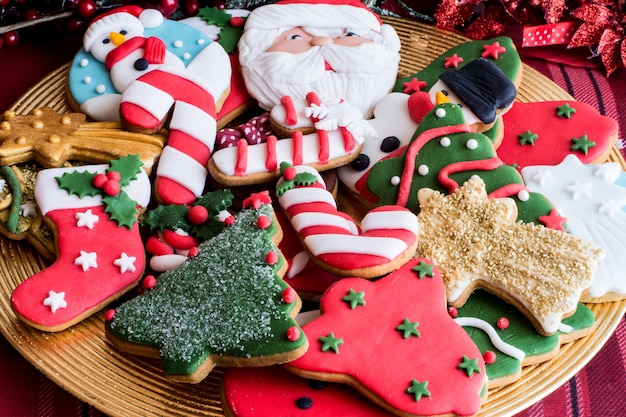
column 317, row 13
column 125, row 16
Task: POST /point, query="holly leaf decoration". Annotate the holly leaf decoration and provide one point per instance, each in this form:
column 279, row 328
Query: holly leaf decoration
column 128, row 167
column 214, row 16
column 215, row 201
column 121, row 208
column 79, row 183
column 171, row 216
column 301, row 178
column 210, row 228
column 231, row 27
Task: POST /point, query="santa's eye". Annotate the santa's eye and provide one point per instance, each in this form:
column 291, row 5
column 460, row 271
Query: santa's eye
column 294, row 37
column 349, row 34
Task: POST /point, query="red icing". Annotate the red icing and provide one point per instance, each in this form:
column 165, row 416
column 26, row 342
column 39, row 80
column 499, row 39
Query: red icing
column 271, row 162
column 197, row 214
column 489, row 357
column 291, row 115
column 271, row 258
column 480, row 164
column 109, row 315
column 502, row 323
column 156, row 246
column 509, row 190
column 434, row 356
column 414, row 86
column 242, row 158
column 554, row 133
column 149, row 282
column 411, row 154
column 348, row 140
column 293, row 334
column 289, row 295
column 179, row 241
column 493, row 51
column 324, row 151
column 263, row 222
column 452, row 61
column 297, row 147
column 553, row 220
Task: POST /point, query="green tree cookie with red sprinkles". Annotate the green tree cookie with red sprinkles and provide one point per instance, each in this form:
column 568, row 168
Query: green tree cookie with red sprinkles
column 225, row 306
column 417, row 362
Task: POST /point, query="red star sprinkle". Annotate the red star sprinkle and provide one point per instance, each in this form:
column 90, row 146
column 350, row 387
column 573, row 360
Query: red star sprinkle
column 257, row 199
column 493, row 51
column 553, row 220
column 414, row 86
column 453, row 61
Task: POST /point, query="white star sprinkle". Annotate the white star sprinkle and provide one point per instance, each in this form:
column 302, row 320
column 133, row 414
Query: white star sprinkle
column 579, row 189
column 55, row 300
column 543, row 177
column 125, row 262
column 610, row 208
column 86, row 260
column 609, row 171
column 28, row 209
column 86, row 219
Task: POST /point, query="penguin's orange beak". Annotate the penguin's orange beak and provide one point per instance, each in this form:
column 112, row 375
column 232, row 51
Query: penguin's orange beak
column 117, row 38
column 441, row 98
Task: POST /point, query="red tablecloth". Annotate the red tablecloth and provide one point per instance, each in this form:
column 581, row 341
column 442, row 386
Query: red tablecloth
column 598, row 390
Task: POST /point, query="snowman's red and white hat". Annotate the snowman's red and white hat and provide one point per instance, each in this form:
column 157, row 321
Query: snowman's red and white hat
column 316, row 13
column 113, row 20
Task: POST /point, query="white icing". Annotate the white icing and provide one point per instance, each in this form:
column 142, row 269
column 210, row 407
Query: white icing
column 306, row 195
column 386, row 247
column 303, row 220
column 151, row 18
column 445, row 141
column 565, row 328
column 182, row 169
column 86, row 260
column 472, row 144
column 423, row 170
column 50, row 197
column 149, row 97
column 178, row 43
column 469, row 116
column 162, row 263
column 195, row 122
column 380, row 219
column 584, row 217
column 395, row 180
column 86, row 219
column 298, row 263
column 55, row 300
column 495, row 339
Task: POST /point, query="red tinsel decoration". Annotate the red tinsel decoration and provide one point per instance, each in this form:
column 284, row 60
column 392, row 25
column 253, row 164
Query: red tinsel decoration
column 603, row 24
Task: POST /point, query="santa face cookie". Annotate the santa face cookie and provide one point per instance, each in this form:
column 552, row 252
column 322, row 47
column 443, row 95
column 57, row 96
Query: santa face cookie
column 592, row 202
column 92, row 210
column 281, row 53
column 477, row 242
column 217, row 309
column 418, row 362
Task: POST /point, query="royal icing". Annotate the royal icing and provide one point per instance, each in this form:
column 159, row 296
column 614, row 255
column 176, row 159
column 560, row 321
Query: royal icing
column 407, row 309
column 592, row 202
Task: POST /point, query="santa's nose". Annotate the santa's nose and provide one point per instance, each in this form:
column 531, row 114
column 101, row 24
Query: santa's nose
column 321, row 40
column 117, row 38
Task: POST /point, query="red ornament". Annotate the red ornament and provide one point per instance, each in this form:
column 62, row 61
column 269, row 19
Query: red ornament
column 288, row 296
column 489, row 357
column 236, row 21
column 31, row 14
column 271, row 258
column 293, row 334
column 86, row 8
column 453, row 312
column 149, row 282
column 193, row 252
column 109, row 315
column 263, row 222
column 290, row 173
column 10, row 39
column 502, row 323
column 167, row 7
column 229, row 220
column 190, row 7
column 197, row 215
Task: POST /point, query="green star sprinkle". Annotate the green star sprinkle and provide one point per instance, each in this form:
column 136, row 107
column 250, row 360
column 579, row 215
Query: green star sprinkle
column 582, row 144
column 565, row 110
column 470, row 365
column 418, row 389
column 354, row 298
column 409, row 328
column 424, row 270
column 331, row 342
column 527, row 138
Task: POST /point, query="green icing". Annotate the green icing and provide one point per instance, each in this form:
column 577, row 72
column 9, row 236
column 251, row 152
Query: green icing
column 520, row 332
column 224, row 301
column 16, row 191
column 436, row 157
column 508, row 62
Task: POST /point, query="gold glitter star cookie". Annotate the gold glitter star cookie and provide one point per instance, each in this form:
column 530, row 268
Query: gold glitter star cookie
column 476, row 242
column 52, row 138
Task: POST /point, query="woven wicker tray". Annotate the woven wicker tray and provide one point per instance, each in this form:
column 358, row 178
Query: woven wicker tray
column 84, row 363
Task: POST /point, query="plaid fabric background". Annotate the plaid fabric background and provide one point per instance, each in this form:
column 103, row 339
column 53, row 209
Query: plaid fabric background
column 596, row 391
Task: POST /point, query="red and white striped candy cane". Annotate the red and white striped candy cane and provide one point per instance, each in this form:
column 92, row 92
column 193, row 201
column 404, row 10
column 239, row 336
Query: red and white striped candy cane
column 146, row 104
column 387, row 236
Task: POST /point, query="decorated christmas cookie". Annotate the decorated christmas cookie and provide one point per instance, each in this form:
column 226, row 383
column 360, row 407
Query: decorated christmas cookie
column 385, row 239
column 272, row 391
column 508, row 340
column 592, row 203
column 444, row 153
column 227, row 305
column 477, row 242
column 418, row 361
column 556, row 129
column 51, row 139
column 93, row 211
column 339, row 133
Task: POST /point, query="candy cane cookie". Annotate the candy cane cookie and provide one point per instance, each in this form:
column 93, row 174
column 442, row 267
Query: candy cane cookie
column 386, row 238
column 339, row 131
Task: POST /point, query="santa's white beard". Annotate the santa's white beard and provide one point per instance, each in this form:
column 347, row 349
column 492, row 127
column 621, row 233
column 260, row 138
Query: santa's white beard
column 362, row 75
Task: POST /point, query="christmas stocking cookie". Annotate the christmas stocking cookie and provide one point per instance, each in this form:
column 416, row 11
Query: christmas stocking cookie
column 417, row 362
column 100, row 255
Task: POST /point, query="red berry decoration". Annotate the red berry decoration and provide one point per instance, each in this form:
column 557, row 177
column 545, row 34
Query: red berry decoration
column 10, row 39
column 229, row 220
column 86, row 8
column 271, row 258
column 197, row 215
column 111, row 188
column 288, row 295
column 167, row 7
column 30, row 14
column 489, row 357
column 114, row 176
column 190, row 7
column 236, row 21
column 263, row 222
column 99, row 180
column 149, row 282
column 502, row 323
column 453, row 312
column 193, row 252
column 109, row 315
column 293, row 334
column 290, row 173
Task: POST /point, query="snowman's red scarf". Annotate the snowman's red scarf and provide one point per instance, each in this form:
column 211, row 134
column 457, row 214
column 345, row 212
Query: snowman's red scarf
column 154, row 50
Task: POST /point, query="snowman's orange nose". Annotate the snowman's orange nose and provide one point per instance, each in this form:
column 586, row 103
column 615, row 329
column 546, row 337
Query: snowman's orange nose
column 117, row 38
